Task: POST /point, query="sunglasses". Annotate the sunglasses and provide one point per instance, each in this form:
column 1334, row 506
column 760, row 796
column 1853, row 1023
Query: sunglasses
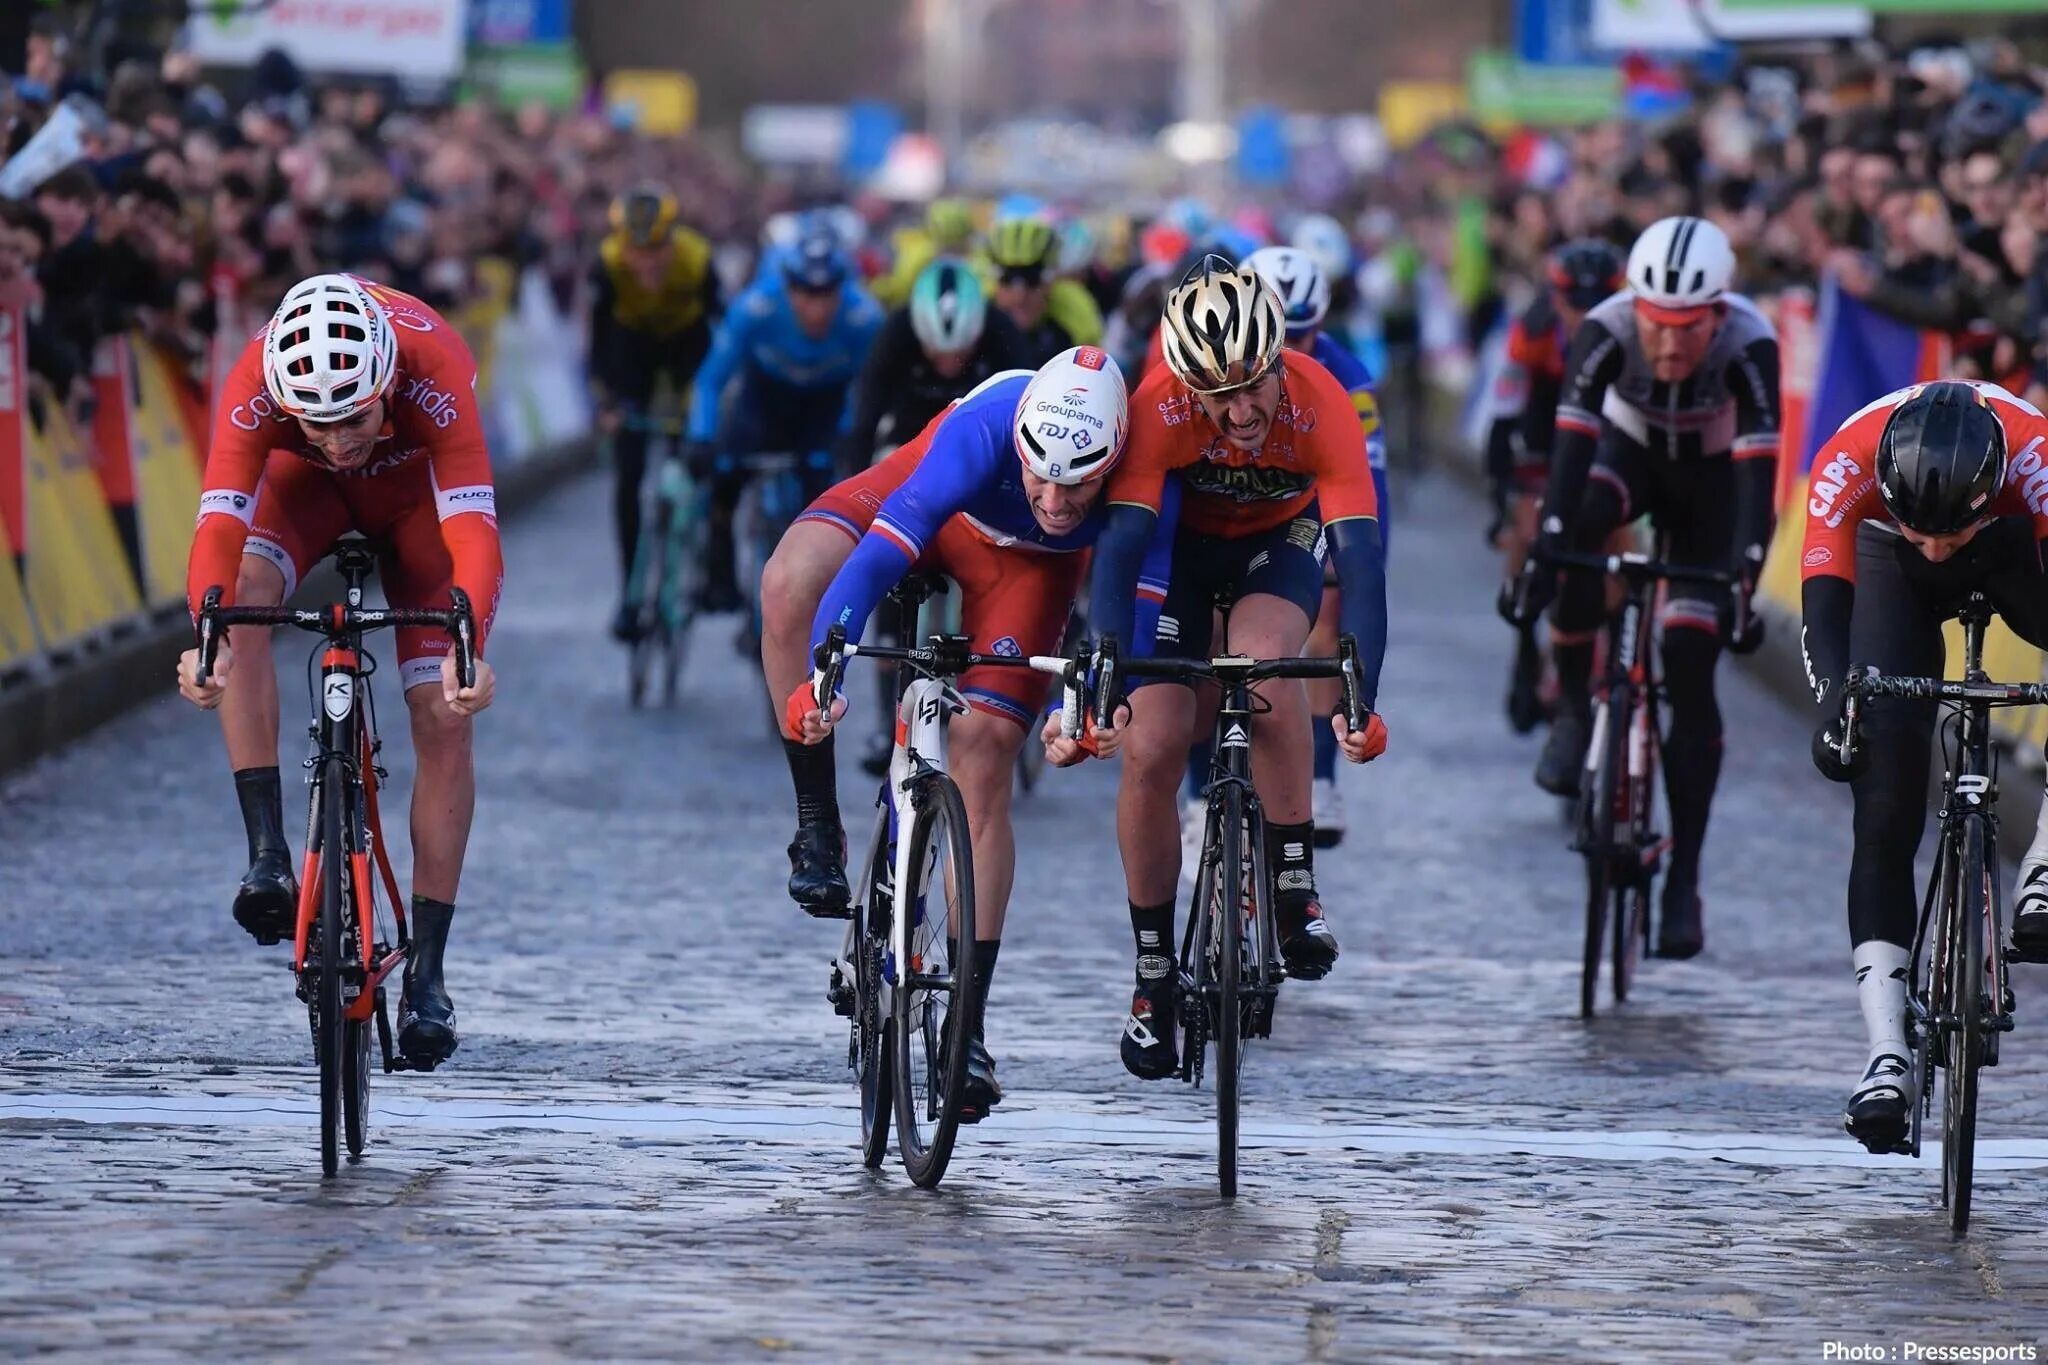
column 1230, row 391
column 1028, row 278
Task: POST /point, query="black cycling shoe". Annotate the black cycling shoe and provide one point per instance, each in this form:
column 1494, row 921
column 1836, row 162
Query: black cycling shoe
column 2030, row 916
column 1307, row 946
column 1151, row 1029
column 626, row 624
column 1564, row 754
column 983, row 1091
column 1880, row 1112
column 426, row 1016
column 1679, row 932
column 880, row 749
column 267, row 902
column 817, row 872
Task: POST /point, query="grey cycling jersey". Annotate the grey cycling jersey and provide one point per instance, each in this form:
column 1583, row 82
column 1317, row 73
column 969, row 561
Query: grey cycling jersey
column 1729, row 405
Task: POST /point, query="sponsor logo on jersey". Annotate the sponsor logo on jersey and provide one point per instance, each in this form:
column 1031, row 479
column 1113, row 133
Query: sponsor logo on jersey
column 1827, row 488
column 229, row 502
column 2026, row 474
column 1007, row 647
column 438, row 404
column 251, row 414
column 1817, row 556
column 1245, row 483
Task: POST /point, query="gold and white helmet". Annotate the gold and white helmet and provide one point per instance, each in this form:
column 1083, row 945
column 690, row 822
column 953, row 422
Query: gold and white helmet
column 1223, row 327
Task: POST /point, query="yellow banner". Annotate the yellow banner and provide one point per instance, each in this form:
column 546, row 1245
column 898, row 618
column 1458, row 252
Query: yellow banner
column 17, row 628
column 78, row 579
column 1408, row 109
column 166, row 474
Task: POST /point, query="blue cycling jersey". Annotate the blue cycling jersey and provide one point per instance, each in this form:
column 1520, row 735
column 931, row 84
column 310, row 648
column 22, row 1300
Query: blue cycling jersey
column 760, row 344
column 971, row 470
column 1352, row 373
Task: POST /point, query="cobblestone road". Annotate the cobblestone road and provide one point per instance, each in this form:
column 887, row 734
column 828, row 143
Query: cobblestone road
column 645, row 1147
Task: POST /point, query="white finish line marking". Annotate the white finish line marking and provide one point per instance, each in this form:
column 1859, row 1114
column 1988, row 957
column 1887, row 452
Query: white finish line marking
column 1013, row 1126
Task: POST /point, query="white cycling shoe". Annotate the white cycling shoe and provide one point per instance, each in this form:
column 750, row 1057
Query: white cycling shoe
column 1326, row 810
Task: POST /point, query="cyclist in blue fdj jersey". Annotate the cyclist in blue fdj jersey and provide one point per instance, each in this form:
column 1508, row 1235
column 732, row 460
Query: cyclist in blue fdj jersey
column 790, row 356
column 988, row 497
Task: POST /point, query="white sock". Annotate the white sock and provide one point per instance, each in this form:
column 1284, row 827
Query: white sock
column 2034, row 868
column 1881, row 991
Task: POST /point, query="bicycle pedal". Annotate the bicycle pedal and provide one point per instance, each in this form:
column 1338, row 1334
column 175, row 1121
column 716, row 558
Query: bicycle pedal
column 2030, row 953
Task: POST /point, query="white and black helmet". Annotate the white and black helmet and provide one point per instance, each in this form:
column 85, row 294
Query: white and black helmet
column 1222, row 328
column 1299, row 281
column 330, row 351
column 1679, row 266
column 1073, row 417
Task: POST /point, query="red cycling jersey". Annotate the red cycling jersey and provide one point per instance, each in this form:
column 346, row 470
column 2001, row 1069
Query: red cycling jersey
column 1315, row 452
column 1842, row 492
column 430, row 454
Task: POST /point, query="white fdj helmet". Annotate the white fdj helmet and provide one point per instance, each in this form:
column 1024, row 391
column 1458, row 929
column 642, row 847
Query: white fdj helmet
column 1222, row 327
column 1324, row 238
column 1072, row 420
column 330, row 351
column 1299, row 281
column 947, row 307
column 1679, row 266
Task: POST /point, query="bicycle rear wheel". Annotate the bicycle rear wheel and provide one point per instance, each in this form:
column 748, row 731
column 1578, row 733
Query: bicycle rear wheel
column 934, row 1010
column 1596, row 835
column 1968, row 1004
column 1631, row 928
column 328, row 1025
column 1227, row 944
column 681, row 581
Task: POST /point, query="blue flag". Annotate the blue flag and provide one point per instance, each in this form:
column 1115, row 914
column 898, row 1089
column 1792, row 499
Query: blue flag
column 1864, row 355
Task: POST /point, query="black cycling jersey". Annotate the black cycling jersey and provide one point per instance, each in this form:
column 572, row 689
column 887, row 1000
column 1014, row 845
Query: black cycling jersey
column 899, row 384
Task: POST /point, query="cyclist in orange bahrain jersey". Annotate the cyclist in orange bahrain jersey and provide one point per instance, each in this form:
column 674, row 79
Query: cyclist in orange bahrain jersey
column 1271, row 459
column 353, row 410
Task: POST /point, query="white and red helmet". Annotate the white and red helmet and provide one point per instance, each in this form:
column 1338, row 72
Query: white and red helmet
column 330, row 351
column 1073, row 418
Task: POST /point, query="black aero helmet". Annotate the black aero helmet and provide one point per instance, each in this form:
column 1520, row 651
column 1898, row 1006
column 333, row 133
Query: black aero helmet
column 1941, row 459
column 1584, row 272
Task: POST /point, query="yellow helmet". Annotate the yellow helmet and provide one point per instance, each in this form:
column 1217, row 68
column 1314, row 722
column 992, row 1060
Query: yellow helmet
column 949, row 224
column 644, row 215
column 1021, row 244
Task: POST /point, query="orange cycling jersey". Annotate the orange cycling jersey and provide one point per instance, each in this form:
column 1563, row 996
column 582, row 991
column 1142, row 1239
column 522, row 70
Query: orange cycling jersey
column 1842, row 491
column 431, row 417
column 1315, row 451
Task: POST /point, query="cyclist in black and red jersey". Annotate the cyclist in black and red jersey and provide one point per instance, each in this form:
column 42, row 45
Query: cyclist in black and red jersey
column 1580, row 275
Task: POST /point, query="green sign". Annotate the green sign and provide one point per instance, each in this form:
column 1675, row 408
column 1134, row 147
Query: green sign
column 544, row 73
column 1505, row 89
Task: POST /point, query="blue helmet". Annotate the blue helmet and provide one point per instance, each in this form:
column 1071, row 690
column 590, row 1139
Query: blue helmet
column 814, row 261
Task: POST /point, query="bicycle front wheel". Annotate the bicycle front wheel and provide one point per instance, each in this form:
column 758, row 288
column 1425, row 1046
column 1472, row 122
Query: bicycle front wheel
column 328, row 1025
column 1597, row 822
column 935, row 1004
column 1968, row 1003
column 1233, row 867
column 868, row 939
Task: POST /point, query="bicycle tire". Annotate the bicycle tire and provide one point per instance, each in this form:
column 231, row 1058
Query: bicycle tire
column 327, row 1021
column 1967, row 1003
column 1631, row 928
column 680, row 586
column 873, row 1062
column 1228, row 945
column 1596, row 835
column 355, row 1085
column 940, row 816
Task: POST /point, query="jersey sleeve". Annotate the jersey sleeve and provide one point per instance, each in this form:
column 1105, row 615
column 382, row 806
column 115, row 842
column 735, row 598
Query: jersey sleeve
column 1841, row 495
column 1753, row 380
column 1590, row 368
column 728, row 348
column 242, row 439
column 465, row 498
column 963, row 450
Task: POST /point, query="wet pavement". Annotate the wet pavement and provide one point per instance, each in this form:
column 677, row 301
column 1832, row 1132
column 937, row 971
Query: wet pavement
column 646, row 1147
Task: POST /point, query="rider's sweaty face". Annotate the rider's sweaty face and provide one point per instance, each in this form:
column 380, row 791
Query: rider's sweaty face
column 1935, row 549
column 1675, row 349
column 1245, row 414
column 1060, row 508
column 814, row 309
column 347, row 444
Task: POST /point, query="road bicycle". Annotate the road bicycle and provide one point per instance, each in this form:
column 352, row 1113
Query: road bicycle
column 902, row 977
column 351, row 928
column 1230, row 966
column 1959, row 1001
column 666, row 578
column 1618, row 784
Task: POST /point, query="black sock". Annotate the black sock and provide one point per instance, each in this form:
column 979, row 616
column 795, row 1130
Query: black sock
column 1290, row 852
column 261, row 793
column 813, row 769
column 1152, row 932
column 429, row 923
column 985, row 951
column 1574, row 664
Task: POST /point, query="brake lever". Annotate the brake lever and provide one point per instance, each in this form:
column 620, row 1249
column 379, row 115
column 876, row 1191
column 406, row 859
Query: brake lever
column 465, row 639
column 209, row 633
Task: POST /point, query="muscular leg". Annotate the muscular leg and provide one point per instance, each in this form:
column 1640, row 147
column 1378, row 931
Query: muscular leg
column 629, row 469
column 982, row 754
column 1263, row 626
column 1154, row 757
column 249, row 708
column 443, row 792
